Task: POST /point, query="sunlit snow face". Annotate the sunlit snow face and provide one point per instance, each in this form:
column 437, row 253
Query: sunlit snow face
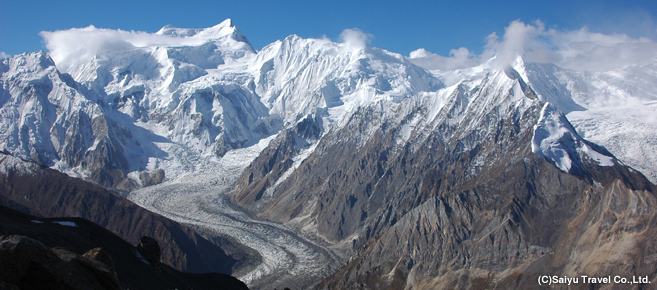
column 76, row 46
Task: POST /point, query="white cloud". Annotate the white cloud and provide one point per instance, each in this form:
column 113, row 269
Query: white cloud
column 4, row 55
column 354, row 38
column 518, row 37
column 588, row 51
column 458, row 58
column 580, row 50
column 79, row 45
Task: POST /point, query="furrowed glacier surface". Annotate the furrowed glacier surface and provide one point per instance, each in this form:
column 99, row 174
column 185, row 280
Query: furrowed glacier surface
column 198, row 199
column 202, row 106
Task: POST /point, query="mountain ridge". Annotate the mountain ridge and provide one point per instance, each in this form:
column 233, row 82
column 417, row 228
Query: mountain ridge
column 59, row 253
column 47, row 193
column 267, row 101
column 341, row 142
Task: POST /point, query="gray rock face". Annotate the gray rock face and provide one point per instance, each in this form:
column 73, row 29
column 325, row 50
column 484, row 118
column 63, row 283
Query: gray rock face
column 153, row 178
column 276, row 159
column 506, row 229
column 463, row 203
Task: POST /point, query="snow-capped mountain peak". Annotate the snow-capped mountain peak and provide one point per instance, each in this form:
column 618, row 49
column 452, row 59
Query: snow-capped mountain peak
column 208, row 91
column 224, row 30
column 338, row 138
column 27, row 63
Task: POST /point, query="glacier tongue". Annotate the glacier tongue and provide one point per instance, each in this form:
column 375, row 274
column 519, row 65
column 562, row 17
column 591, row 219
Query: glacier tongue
column 202, row 104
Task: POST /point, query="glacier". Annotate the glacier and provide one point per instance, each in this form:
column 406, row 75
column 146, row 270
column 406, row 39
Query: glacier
column 202, row 104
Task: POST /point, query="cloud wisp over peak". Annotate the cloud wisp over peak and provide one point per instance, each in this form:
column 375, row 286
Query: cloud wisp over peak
column 580, row 50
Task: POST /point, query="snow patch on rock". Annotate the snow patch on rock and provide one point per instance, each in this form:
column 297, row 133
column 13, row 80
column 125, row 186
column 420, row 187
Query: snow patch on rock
column 557, row 141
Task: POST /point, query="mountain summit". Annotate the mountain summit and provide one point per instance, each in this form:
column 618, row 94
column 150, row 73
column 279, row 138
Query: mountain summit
column 345, row 154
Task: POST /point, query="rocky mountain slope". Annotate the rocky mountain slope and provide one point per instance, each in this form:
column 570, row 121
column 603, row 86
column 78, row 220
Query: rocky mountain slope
column 73, row 253
column 47, row 193
column 477, row 186
column 477, row 174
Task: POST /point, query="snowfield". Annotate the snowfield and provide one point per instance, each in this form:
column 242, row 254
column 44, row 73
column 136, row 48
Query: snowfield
column 201, row 104
column 616, row 109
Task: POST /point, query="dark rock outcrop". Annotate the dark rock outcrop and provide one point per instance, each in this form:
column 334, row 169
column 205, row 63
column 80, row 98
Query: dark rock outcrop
column 28, row 264
column 73, row 253
column 150, row 249
column 45, row 192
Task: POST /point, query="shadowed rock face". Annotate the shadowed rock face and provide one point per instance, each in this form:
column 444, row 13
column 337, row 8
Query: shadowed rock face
column 47, row 193
column 28, row 264
column 73, row 253
column 150, row 249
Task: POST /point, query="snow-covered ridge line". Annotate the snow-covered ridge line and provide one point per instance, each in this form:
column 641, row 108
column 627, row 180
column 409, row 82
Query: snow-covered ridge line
column 194, row 107
column 200, row 91
column 77, row 46
column 556, row 140
column 208, row 91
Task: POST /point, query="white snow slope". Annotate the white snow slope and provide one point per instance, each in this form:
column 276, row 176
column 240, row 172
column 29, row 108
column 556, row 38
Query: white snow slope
column 616, row 109
column 202, row 103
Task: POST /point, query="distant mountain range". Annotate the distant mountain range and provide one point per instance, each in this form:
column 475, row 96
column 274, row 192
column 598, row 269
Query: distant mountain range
column 472, row 178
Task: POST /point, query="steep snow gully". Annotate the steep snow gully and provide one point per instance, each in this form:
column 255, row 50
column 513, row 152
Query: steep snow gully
column 200, row 105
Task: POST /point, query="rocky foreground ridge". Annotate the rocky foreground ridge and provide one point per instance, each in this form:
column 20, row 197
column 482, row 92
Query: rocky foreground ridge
column 73, row 253
column 415, row 179
column 47, row 193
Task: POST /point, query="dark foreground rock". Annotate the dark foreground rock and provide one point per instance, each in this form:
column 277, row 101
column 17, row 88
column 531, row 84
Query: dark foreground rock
column 44, row 192
column 74, row 253
column 28, row 264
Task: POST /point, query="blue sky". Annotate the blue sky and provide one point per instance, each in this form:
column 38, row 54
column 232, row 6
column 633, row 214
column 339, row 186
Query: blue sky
column 399, row 26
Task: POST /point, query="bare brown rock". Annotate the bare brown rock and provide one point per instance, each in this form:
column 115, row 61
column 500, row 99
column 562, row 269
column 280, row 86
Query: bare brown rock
column 464, row 204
